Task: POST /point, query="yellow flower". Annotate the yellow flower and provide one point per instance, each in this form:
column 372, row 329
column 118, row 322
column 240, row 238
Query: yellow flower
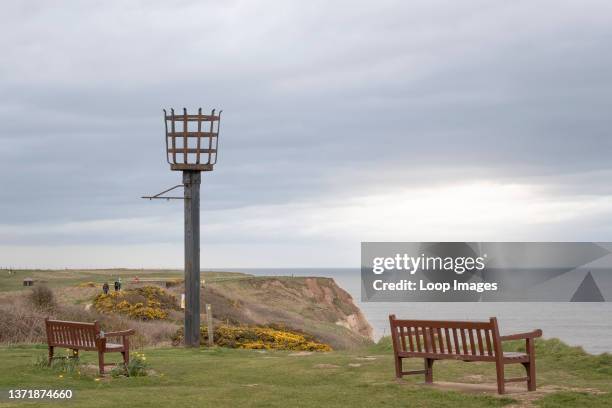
column 60, row 376
column 96, row 379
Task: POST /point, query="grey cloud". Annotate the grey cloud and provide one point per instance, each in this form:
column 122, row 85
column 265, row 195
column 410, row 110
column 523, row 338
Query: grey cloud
column 320, row 100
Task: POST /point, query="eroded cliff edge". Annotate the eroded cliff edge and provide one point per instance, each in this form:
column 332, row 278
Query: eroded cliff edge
column 314, row 305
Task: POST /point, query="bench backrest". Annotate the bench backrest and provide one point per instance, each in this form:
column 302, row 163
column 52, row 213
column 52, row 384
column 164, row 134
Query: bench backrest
column 449, row 339
column 68, row 334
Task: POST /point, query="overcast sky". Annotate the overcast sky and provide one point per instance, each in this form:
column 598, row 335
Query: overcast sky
column 343, row 122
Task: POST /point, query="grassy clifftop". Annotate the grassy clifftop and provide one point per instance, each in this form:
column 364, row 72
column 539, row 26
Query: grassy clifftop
column 360, row 375
column 313, row 305
column 567, row 377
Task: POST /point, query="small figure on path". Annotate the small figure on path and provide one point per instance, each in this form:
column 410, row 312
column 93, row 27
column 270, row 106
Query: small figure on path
column 105, row 288
column 119, row 280
column 116, row 286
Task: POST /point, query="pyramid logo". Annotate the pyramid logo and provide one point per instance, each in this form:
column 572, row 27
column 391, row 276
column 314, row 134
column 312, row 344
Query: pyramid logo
column 588, row 291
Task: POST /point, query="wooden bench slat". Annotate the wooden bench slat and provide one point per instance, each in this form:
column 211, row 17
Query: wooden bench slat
column 439, row 356
column 410, row 341
column 432, row 340
column 472, row 345
column 456, row 341
column 488, row 340
column 449, row 346
column 480, row 344
column 426, row 347
column 463, row 342
column 84, row 339
column 440, row 323
column 440, row 340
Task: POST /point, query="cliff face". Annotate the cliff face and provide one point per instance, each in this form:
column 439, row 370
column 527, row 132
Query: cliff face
column 317, row 306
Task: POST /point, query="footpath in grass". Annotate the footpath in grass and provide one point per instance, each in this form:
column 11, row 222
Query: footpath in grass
column 225, row 378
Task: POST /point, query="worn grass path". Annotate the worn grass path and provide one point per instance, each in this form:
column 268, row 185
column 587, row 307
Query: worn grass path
column 229, row 378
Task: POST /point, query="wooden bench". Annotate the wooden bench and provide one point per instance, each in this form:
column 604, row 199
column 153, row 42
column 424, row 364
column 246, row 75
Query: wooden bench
column 86, row 336
column 460, row 340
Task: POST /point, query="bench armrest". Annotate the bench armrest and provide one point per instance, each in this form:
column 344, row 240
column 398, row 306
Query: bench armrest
column 529, row 335
column 121, row 333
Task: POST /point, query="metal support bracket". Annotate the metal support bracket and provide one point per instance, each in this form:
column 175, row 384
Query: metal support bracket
column 159, row 196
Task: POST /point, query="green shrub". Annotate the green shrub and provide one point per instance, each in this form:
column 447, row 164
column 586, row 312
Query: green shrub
column 60, row 364
column 137, row 367
column 145, row 303
column 257, row 337
column 384, row 344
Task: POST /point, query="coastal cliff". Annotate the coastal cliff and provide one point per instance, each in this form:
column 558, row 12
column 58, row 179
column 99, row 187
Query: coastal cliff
column 314, row 305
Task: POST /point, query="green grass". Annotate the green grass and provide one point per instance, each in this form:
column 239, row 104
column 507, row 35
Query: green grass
column 70, row 277
column 224, row 377
column 576, row 399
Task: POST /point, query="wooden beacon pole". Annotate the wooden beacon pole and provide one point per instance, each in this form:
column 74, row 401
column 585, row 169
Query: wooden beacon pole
column 191, row 181
column 192, row 150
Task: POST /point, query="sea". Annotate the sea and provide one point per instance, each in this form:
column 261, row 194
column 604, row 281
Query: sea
column 579, row 324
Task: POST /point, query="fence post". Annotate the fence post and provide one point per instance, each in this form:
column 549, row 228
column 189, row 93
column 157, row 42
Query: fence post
column 211, row 330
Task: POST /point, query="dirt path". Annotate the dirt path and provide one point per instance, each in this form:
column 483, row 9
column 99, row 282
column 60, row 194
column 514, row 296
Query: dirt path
column 524, row 398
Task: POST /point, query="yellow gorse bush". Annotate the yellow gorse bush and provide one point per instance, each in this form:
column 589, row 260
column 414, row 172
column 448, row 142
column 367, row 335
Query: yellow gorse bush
column 258, row 337
column 146, row 303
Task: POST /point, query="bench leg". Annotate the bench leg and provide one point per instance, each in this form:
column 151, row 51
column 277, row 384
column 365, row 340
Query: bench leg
column 398, row 367
column 101, row 362
column 126, row 358
column 126, row 348
column 530, row 366
column 531, row 375
column 429, row 370
column 50, row 354
column 501, row 384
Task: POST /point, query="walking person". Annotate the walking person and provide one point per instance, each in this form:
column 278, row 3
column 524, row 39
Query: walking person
column 105, row 288
column 119, row 280
column 116, row 286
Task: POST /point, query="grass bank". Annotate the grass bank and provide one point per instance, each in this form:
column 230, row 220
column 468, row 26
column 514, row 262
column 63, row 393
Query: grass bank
column 149, row 303
column 227, row 377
